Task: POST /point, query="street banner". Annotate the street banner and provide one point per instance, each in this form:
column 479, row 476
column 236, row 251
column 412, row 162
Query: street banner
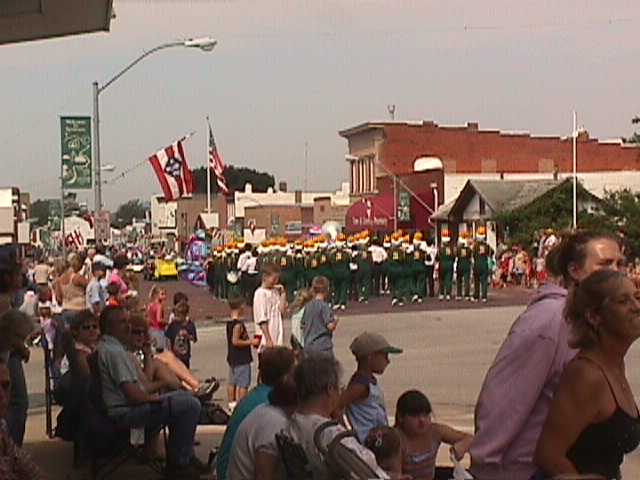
column 404, row 207
column 77, row 165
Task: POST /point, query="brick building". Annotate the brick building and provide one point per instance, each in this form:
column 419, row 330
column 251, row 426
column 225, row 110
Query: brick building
column 326, row 210
column 377, row 149
column 189, row 209
column 278, row 220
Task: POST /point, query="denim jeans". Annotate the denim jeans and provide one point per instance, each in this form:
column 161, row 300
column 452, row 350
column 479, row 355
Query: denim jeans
column 180, row 411
column 19, row 400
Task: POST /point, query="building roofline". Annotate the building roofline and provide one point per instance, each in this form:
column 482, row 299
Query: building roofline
column 474, row 127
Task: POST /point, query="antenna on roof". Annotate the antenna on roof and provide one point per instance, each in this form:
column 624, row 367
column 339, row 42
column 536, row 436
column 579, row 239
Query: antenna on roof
column 392, row 111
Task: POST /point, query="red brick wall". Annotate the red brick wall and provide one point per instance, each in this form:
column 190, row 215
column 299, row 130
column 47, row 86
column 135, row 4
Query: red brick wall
column 418, row 182
column 469, row 150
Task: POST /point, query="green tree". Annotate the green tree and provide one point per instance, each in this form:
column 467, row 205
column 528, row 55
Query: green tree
column 621, row 210
column 554, row 210
column 127, row 212
column 40, row 212
column 236, row 178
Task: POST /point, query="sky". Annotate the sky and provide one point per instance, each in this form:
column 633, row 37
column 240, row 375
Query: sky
column 289, row 72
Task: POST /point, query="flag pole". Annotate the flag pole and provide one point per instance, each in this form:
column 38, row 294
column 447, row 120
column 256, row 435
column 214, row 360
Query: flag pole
column 575, row 170
column 208, row 167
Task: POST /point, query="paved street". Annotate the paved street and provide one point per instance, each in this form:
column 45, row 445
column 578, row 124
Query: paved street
column 446, row 354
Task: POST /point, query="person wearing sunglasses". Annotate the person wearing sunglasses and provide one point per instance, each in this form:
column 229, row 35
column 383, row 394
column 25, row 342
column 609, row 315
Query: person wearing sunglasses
column 85, row 332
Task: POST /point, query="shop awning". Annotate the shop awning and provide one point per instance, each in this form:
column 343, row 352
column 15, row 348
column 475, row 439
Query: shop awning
column 371, row 213
column 376, row 213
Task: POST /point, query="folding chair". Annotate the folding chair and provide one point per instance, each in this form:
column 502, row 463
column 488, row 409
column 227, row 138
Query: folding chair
column 109, row 445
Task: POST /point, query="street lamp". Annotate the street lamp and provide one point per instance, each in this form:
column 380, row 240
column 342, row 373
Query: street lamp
column 206, row 44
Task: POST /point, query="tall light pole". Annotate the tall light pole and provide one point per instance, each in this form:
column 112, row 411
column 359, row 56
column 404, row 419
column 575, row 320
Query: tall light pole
column 575, row 170
column 206, row 44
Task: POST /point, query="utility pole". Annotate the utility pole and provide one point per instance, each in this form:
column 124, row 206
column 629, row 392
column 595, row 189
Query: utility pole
column 395, row 204
column 306, row 164
column 575, row 170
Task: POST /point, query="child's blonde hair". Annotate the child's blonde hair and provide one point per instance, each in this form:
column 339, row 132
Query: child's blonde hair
column 305, row 295
column 155, row 292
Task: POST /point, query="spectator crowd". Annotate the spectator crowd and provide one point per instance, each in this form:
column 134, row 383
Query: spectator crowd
column 555, row 403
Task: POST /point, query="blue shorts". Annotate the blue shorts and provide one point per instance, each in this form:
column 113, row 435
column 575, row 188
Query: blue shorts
column 240, row 376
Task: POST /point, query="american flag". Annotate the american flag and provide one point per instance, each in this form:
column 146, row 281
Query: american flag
column 217, row 163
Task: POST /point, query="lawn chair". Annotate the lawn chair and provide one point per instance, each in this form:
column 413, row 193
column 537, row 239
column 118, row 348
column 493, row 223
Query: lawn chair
column 110, row 446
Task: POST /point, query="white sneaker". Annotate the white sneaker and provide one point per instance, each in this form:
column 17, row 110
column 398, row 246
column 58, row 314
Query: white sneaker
column 441, row 297
column 484, row 300
column 401, row 304
column 336, row 306
column 343, row 307
column 232, row 406
column 394, row 302
column 448, row 297
column 415, row 298
column 419, row 300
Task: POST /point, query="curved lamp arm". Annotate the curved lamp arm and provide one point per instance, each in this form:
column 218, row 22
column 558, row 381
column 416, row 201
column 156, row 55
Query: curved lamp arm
column 205, row 44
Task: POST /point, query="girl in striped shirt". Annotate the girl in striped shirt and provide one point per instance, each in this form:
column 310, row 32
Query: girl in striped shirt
column 421, row 437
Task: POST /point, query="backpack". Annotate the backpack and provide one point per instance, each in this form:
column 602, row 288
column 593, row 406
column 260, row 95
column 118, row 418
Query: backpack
column 342, row 461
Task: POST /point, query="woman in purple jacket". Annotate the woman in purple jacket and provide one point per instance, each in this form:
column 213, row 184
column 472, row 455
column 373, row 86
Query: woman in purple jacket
column 516, row 394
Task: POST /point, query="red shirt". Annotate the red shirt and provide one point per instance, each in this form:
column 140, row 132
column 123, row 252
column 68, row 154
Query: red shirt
column 155, row 314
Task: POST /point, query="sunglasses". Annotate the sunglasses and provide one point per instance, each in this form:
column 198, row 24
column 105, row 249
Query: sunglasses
column 90, row 327
column 138, row 331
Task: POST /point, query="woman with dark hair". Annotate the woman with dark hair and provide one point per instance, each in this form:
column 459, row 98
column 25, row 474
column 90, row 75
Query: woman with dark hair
column 422, row 436
column 85, row 333
column 72, row 389
column 524, row 376
column 593, row 421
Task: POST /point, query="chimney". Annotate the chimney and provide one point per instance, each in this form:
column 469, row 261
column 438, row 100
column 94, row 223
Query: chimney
column 298, row 196
column 282, row 186
column 472, row 126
